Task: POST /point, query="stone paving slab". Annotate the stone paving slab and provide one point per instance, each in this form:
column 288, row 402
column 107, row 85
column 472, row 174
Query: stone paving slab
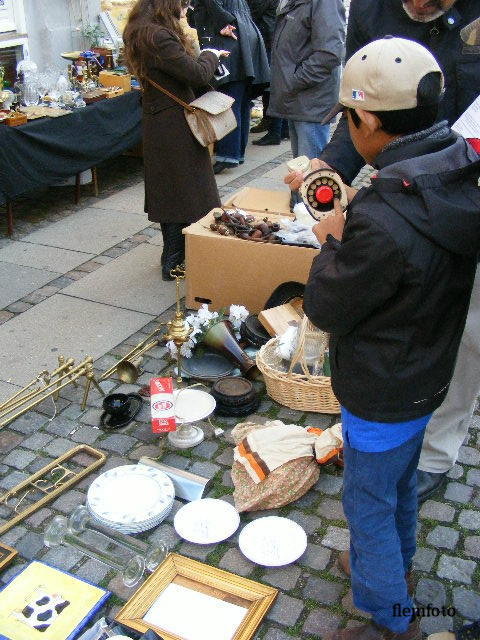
column 17, row 281
column 277, row 173
column 61, row 325
column 132, row 281
column 40, row 256
column 254, row 157
column 90, row 230
column 271, row 184
column 130, row 200
column 157, row 240
column 7, row 390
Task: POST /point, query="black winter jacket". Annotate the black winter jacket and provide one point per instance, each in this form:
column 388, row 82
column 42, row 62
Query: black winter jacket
column 372, row 19
column 264, row 14
column 248, row 60
column 394, row 293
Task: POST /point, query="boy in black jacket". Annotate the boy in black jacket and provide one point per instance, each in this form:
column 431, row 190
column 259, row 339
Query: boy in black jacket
column 392, row 286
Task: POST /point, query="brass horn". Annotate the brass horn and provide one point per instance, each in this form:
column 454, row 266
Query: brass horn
column 127, row 368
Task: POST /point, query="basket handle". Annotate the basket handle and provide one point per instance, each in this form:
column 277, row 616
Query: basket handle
column 299, row 355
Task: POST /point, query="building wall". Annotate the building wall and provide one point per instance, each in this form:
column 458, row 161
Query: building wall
column 54, row 26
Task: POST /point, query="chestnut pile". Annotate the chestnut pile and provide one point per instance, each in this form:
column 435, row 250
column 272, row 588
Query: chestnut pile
column 234, row 223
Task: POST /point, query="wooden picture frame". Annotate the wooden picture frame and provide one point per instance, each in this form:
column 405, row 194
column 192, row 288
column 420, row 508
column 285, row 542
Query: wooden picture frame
column 256, row 598
column 7, row 554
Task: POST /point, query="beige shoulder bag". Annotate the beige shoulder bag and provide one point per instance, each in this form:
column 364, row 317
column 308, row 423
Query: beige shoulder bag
column 209, row 117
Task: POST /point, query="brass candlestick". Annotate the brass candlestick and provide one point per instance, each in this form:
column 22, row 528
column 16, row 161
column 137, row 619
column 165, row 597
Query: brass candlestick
column 177, row 330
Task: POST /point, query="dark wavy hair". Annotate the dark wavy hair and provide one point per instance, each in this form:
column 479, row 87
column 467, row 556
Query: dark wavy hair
column 143, row 22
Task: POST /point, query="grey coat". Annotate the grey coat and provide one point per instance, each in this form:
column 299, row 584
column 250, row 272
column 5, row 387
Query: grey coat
column 248, row 57
column 307, row 52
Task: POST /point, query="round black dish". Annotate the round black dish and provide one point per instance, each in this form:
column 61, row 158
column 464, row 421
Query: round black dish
column 111, row 419
column 253, row 332
column 244, row 410
column 233, row 392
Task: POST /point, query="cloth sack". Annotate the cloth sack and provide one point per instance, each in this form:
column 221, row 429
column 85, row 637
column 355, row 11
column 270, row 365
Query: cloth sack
column 210, row 117
column 264, row 450
column 284, row 485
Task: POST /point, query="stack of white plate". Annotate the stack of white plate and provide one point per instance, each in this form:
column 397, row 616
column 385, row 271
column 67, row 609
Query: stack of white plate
column 131, row 498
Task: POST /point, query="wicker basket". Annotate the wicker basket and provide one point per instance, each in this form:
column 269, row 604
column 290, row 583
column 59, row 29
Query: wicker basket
column 303, row 392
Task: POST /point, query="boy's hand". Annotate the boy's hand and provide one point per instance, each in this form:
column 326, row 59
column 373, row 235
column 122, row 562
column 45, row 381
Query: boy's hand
column 294, row 179
column 332, row 225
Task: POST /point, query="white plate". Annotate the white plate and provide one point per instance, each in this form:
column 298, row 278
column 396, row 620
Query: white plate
column 192, row 405
column 273, row 541
column 206, row 521
column 130, row 495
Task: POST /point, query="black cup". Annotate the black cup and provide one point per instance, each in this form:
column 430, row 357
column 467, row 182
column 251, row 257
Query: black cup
column 117, row 404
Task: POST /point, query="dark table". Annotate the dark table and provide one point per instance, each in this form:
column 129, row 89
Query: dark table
column 47, row 151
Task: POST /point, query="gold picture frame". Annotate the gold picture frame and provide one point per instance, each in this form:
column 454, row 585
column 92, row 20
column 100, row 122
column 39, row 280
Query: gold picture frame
column 197, row 576
column 7, row 554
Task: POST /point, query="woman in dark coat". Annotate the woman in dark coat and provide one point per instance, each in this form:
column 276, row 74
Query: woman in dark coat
column 228, row 24
column 180, row 186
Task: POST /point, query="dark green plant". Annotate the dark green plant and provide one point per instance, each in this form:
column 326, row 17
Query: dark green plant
column 93, row 33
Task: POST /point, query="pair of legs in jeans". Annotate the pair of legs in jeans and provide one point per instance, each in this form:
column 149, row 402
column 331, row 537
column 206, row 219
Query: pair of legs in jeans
column 232, row 147
column 306, row 139
column 380, row 503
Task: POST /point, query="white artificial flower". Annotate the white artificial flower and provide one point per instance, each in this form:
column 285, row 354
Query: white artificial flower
column 204, row 314
column 172, row 348
column 186, row 349
column 238, row 314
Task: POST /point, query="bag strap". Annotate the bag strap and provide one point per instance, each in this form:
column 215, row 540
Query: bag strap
column 185, row 105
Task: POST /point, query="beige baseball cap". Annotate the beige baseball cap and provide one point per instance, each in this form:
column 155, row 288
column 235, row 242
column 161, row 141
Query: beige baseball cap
column 471, row 33
column 384, row 76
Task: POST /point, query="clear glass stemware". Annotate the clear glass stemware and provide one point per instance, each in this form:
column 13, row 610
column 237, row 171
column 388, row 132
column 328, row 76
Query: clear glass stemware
column 57, row 534
column 80, row 520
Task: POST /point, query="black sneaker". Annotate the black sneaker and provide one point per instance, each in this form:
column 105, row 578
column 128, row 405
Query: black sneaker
column 260, row 127
column 428, row 483
column 268, row 139
column 218, row 167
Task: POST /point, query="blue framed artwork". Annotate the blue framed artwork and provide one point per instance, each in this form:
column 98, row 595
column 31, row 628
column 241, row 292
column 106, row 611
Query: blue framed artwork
column 47, row 603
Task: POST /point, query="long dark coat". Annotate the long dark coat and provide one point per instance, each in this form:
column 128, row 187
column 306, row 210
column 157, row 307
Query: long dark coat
column 179, row 182
column 248, row 57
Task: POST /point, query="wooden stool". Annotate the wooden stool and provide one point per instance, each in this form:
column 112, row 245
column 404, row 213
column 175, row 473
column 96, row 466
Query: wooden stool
column 94, row 182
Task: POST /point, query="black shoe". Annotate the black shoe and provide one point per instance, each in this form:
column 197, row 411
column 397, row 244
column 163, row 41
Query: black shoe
column 428, row 483
column 260, row 127
column 267, row 139
column 218, row 167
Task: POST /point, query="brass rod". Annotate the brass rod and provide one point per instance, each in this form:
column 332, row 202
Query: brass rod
column 38, row 401
column 54, row 383
column 99, row 459
column 9, row 400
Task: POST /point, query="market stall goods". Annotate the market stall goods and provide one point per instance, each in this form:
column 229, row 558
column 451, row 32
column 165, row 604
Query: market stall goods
column 47, row 600
column 131, row 498
column 45, row 485
column 219, row 605
column 273, row 541
column 206, row 521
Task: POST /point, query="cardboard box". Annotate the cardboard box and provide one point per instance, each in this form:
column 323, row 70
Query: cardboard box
column 224, row 270
column 110, row 79
column 262, row 201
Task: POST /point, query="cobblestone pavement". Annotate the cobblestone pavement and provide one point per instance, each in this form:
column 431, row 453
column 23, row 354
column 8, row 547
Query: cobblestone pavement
column 314, row 597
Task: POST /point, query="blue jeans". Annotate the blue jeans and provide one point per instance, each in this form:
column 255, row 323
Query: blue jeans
column 380, row 503
column 231, row 148
column 308, row 138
